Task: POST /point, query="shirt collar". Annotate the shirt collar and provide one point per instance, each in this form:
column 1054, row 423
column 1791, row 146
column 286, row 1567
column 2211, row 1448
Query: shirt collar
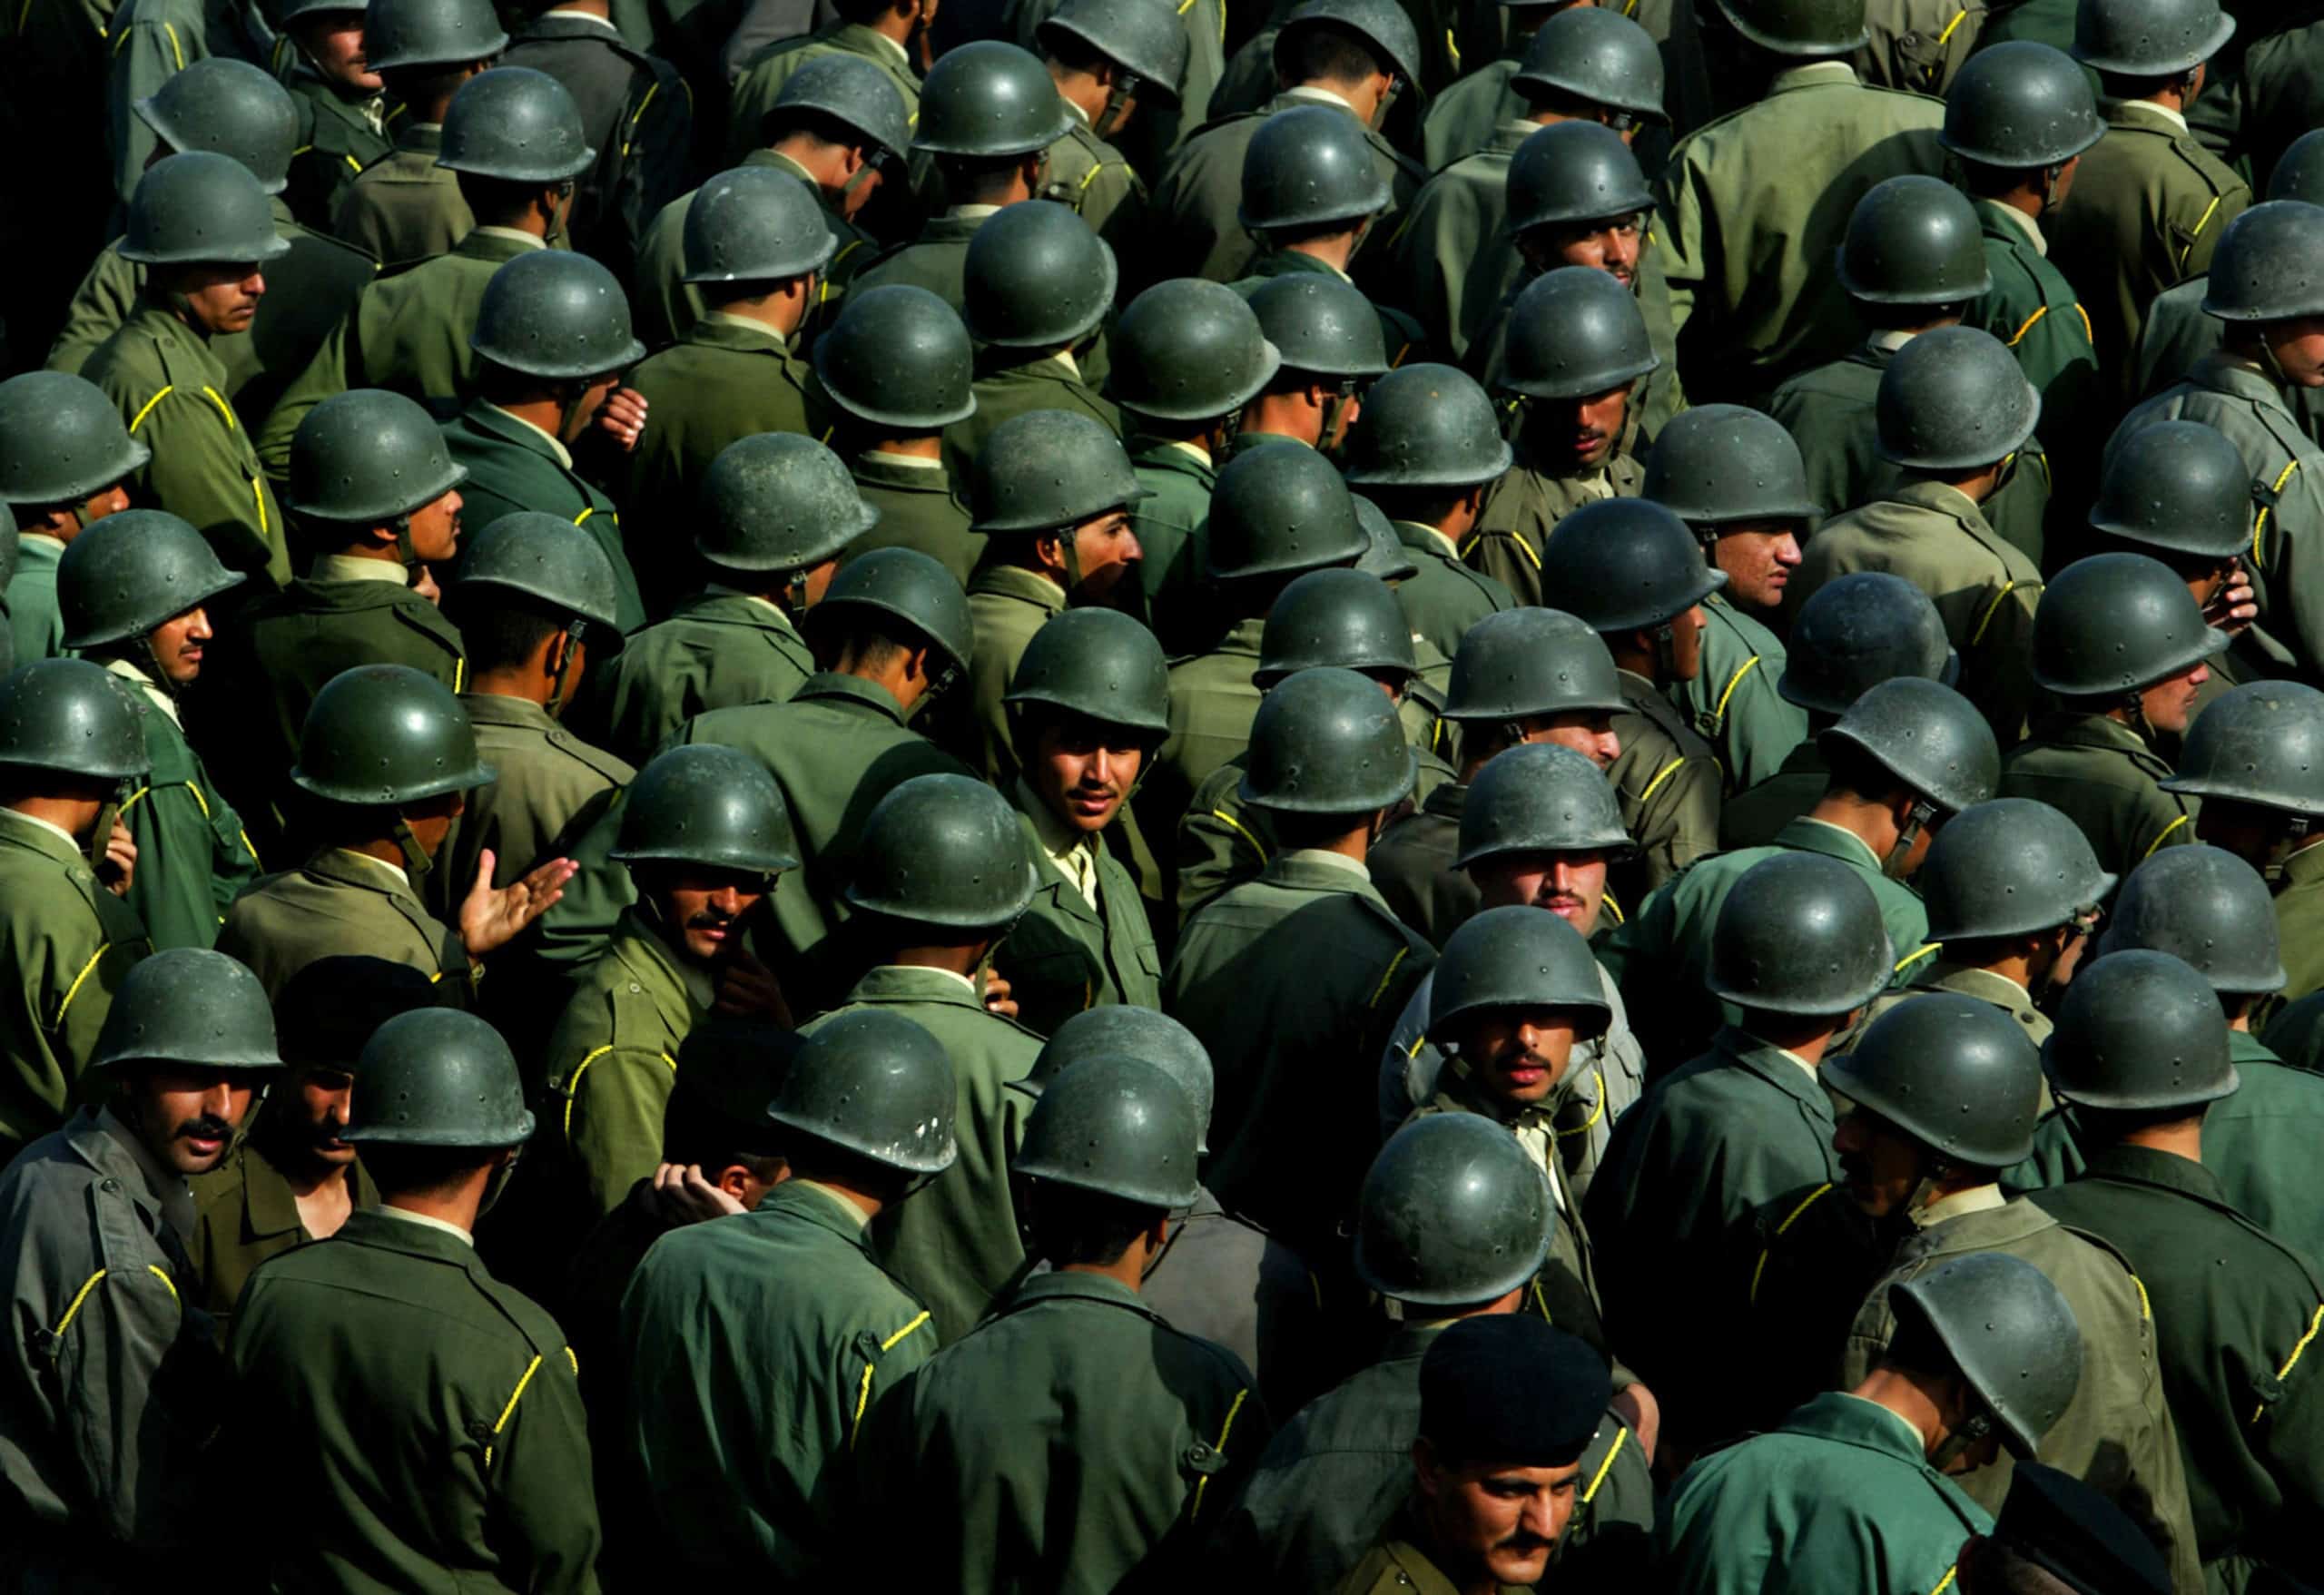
column 51, row 827
column 1196, row 450
column 168, row 1186
column 1891, row 338
column 974, row 212
column 772, row 607
column 354, row 568
column 2160, row 112
column 577, row 16
column 153, row 693
column 40, row 537
column 1338, row 861
column 1806, row 1068
column 426, row 1221
column 515, row 235
column 556, row 448
column 966, row 983
column 1063, row 358
column 2032, row 229
column 1912, row 1434
column 911, row 462
column 748, row 324
column 1316, row 95
column 1976, row 1199
column 889, row 51
column 1059, row 840
column 839, row 1199
column 1814, row 72
column 403, row 879
column 1079, row 115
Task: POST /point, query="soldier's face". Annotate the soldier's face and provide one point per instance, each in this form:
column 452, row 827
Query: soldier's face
column 321, row 1103
column 1493, row 1525
column 1085, row 771
column 2169, row 704
column 1578, row 434
column 436, row 530
column 186, row 1114
column 2246, row 830
column 1687, row 644
column 333, row 41
column 1758, row 558
column 1107, row 550
column 178, row 643
column 1519, row 1054
column 67, row 522
column 224, row 298
column 1590, row 734
column 1880, row 1166
column 2299, row 348
column 1570, row 885
column 705, row 907
column 1611, row 245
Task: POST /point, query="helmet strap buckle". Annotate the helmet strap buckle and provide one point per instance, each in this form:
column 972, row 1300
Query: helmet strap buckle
column 559, row 679
column 1916, row 820
column 415, row 859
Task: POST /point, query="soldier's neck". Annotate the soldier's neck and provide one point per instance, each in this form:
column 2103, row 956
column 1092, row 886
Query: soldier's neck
column 1912, row 1397
column 1128, row 1270
column 1081, row 91
column 601, row 9
column 525, row 683
column 2180, row 1138
column 929, row 446
column 1870, row 823
column 1333, row 250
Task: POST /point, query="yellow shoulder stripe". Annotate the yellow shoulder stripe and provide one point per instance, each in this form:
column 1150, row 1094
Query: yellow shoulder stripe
column 2146, row 1308
column 1621, row 1438
column 1387, row 975
column 1596, row 1114
column 864, row 1392
column 509, row 1410
column 2019, row 336
column 74, row 988
column 1993, row 607
column 1789, row 1220
column 2292, row 1362
column 2159, row 841
column 1734, row 681
column 1241, row 830
column 139, row 419
column 225, row 410
column 90, row 1283
column 2209, row 210
column 2088, row 336
column 1226, row 1428
column 573, row 1087
column 1917, row 953
column 1946, row 36
column 1661, row 775
column 2260, row 522
column 1945, row 1582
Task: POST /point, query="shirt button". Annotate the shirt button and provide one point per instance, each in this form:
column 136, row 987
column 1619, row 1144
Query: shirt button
column 634, row 988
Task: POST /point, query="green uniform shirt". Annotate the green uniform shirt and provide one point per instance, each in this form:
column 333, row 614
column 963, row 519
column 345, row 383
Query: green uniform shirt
column 1009, row 385
column 1449, row 258
column 148, row 42
column 665, row 306
column 2100, row 774
column 1067, row 954
column 193, row 857
column 2299, row 924
column 1173, row 525
column 513, row 466
column 338, row 139
column 1750, row 818
column 1666, row 782
column 919, row 508
column 1092, row 178
column 340, row 905
column 1732, row 701
column 935, row 260
column 1007, row 604
column 1919, row 45
column 1411, row 864
column 549, row 788
column 718, row 649
column 1524, row 507
column 1445, row 597
column 760, row 83
column 244, row 1213
column 404, row 208
column 2032, row 308
column 1212, row 705
column 34, row 624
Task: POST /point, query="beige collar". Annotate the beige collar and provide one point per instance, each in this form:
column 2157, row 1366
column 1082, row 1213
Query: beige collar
column 557, row 450
column 354, row 568
column 426, row 1221
column 2143, row 108
column 39, row 537
column 154, row 693
column 974, row 212
column 402, row 878
column 50, row 826
column 1314, row 95
column 515, row 235
column 1814, row 72
column 1195, row 450
column 837, row 1198
column 948, row 974
column 911, row 462
column 889, row 49
column 2032, row 229
column 1891, row 338
column 1976, row 1199
column 1338, row 861
column 1059, row 840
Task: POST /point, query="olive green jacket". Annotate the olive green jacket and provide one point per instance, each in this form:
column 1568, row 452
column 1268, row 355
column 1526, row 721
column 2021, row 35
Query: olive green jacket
column 404, row 208
column 340, row 905
column 935, row 260
column 1093, row 179
column 1444, row 598
column 1525, row 506
column 1172, row 540
column 1919, row 45
column 717, row 650
column 1212, row 705
column 147, row 43
column 2101, row 776
column 1451, row 263
column 192, row 856
column 760, row 83
column 2032, row 308
column 2299, row 924
column 244, row 1213
column 1732, row 702
column 513, row 467
column 1007, row 604
column 1064, row 955
column 549, row 788
column 1750, row 818
column 664, row 306
column 336, row 143
column 920, row 507
column 1666, row 781
column 35, row 625
column 1411, row 864
column 1009, row 385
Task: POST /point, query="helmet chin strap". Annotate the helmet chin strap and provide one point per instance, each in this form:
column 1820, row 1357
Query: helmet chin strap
column 1916, row 820
column 407, row 554
column 1973, row 1430
column 560, row 684
column 1387, row 103
column 2294, row 831
column 1115, row 112
column 415, row 859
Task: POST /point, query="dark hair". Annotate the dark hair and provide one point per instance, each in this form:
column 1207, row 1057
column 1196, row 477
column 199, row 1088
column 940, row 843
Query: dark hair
column 975, row 180
column 499, row 628
column 1068, row 1226
column 1422, row 506
column 1329, row 52
column 496, row 201
column 399, row 1170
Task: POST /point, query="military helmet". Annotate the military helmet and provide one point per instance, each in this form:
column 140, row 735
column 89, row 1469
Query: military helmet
column 554, row 314
column 437, row 1076
column 2008, row 867
column 1115, row 1127
column 1308, row 167
column 2139, row 1031
column 2149, row 38
column 1320, row 325
column 1277, row 510
column 1099, row 663
column 2115, row 623
column 1036, row 277
column 853, row 92
column 1928, row 736
column 898, row 356
column 200, row 208
column 516, row 125
column 1799, row 27
column 2299, row 171
column 1143, row 39
column 1625, row 565
column 1570, row 173
column 988, row 100
column 188, row 1005
column 227, row 107
column 1518, row 957
column 365, row 457
column 2264, row 268
column 131, row 572
column 62, row 441
column 1537, row 798
column 755, row 224
column 1116, row 1030
column 907, row 585
column 72, row 716
column 385, row 736
column 398, row 33
column 1048, row 471
column 1383, row 25
column 2011, row 1334
column 1384, row 555
column 326, row 1012
column 1913, row 241
column 2261, row 742
column 1954, row 400
column 708, row 805
column 1720, row 463
column 1453, row 1213
column 1521, row 663
column 876, row 1084
column 1335, row 618
column 943, row 850
column 1954, row 1072
column 546, row 559
column 2182, row 488
column 1858, row 631
column 1595, row 54
column 1189, row 349
column 777, row 501
column 1328, row 741
column 1573, row 333
column 1426, row 425
column 2020, row 105
column 1800, row 933
column 2208, row 907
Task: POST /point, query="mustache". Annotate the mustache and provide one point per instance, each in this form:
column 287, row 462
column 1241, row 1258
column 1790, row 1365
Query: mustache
column 208, row 1128
column 1525, row 1542
column 712, row 920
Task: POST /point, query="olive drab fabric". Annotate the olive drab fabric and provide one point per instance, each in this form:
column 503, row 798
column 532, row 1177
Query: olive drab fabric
column 340, row 905
column 2103, row 773
column 194, row 856
column 1669, row 781
column 404, row 208
column 515, row 466
column 1732, row 703
column 1067, row 953
column 551, row 787
column 1524, row 506
column 246, row 1212
column 719, row 649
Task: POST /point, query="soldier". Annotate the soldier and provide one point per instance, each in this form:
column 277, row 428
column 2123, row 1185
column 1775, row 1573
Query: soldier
column 1954, row 411
column 1918, row 44
column 341, row 104
column 1329, row 340
column 473, row 1455
column 1551, row 69
column 406, row 207
column 71, row 745
column 103, row 1395
column 891, row 34
column 65, row 460
column 1149, row 138
column 201, row 227
column 149, row 44
column 1109, row 59
column 1034, row 284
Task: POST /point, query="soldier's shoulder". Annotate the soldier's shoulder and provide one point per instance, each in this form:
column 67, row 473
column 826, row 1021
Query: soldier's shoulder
column 323, row 252
column 591, row 757
column 2222, row 180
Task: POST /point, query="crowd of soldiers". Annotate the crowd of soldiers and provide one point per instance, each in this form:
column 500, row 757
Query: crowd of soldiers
column 1388, row 795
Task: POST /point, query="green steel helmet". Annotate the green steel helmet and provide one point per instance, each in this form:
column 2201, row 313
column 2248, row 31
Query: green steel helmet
column 2149, row 38
column 2264, row 268
column 2020, row 105
column 72, row 716
column 2114, row 623
column 853, row 92
column 198, row 208
column 1384, row 25
column 1321, row 325
column 2183, row 490
column 1328, row 741
column 1115, row 1127
column 2207, row 908
column 1858, row 631
column 1913, row 241
column 131, row 573
column 1716, row 464
column 558, row 315
column 1954, row 1072
column 1116, row 1030
column 1523, row 664
column 1335, row 618
column 1426, row 425
column 2011, row 1334
column 898, row 356
column 2300, row 170
column 545, row 558
column 1928, row 736
column 365, row 457
column 987, row 100
column 1799, row 27
column 1573, row 333
column 1189, row 349
column 385, row 736
column 1309, row 167
column 1281, row 509
column 1384, row 555
column 2261, row 742
column 1571, row 172
column 2009, row 867
column 515, row 124
column 1625, row 565
column 437, row 1076
column 227, row 107
column 1099, row 663
column 777, row 501
column 944, row 849
column 875, row 1083
column 1800, row 933
column 1539, row 798
column 1954, row 400
column 755, row 224
column 1453, row 1213
column 709, row 805
column 1596, row 54
column 62, row 441
column 902, row 584
column 1036, row 277
column 188, row 1005
column 1048, row 471
column 2139, row 1031
column 398, row 33
column 1519, row 956
column 1142, row 38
